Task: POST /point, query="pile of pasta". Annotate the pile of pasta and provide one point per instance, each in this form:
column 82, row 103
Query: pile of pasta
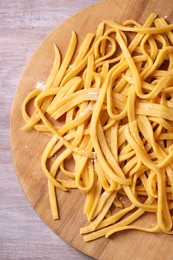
column 107, row 109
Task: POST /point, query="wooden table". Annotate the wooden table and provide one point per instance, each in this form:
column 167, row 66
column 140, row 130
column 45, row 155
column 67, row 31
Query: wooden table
column 23, row 25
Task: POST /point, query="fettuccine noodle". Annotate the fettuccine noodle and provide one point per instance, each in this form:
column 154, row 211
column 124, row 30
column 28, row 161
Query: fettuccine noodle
column 115, row 94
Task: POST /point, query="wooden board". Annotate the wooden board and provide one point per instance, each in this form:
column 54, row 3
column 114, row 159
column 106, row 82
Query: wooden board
column 27, row 147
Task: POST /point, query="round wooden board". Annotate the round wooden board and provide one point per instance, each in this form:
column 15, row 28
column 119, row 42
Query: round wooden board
column 27, row 147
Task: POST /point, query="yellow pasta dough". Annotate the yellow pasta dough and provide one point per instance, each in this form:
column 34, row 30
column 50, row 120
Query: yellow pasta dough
column 115, row 95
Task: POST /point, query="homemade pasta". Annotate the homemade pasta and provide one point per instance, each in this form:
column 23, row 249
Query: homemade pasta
column 108, row 111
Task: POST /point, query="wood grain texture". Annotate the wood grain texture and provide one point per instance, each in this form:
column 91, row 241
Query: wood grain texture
column 23, row 25
column 35, row 187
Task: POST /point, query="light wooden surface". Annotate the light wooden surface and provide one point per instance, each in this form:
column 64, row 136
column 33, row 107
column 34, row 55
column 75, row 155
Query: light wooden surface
column 23, row 25
column 30, row 238
column 26, row 149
